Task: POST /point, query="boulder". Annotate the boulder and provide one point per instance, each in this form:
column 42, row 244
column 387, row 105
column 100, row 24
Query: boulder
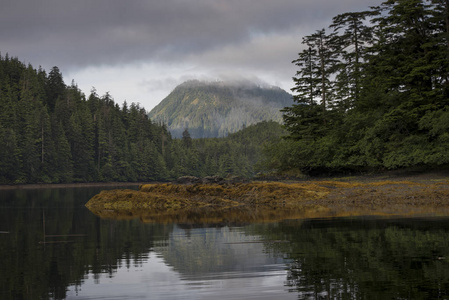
column 188, row 180
column 212, row 179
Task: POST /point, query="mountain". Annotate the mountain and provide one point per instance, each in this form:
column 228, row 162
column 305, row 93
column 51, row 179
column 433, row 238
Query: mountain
column 214, row 109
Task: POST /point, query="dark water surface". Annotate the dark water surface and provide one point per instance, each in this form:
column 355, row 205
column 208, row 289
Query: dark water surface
column 52, row 247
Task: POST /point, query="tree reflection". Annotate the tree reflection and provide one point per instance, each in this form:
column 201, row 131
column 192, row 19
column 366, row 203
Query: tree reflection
column 366, row 259
column 35, row 266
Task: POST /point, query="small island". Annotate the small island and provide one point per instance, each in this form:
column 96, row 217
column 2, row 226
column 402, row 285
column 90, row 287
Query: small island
column 245, row 202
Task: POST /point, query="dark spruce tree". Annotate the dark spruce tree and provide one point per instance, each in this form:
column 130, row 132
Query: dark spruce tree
column 387, row 99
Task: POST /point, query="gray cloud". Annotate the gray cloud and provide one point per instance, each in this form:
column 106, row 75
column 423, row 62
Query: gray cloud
column 85, row 32
column 251, row 35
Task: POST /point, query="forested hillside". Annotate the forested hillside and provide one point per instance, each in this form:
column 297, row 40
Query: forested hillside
column 215, row 109
column 51, row 132
column 371, row 92
column 239, row 154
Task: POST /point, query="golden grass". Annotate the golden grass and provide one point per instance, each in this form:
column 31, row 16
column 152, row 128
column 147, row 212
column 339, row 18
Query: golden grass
column 272, row 201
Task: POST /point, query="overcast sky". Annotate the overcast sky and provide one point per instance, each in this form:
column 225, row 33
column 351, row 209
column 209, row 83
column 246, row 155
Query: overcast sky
column 139, row 50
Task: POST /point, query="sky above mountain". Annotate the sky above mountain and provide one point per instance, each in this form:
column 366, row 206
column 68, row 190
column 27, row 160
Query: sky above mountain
column 140, row 50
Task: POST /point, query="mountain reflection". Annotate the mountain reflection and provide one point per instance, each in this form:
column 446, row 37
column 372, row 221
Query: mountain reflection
column 198, row 253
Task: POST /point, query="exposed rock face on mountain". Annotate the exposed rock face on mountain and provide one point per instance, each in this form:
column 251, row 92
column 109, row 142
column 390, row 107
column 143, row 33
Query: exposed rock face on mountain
column 214, row 109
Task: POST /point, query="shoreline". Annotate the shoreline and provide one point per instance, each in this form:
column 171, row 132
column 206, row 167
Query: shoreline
column 398, row 175
column 67, row 185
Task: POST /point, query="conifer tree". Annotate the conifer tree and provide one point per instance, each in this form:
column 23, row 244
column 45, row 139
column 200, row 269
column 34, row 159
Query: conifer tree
column 186, row 139
column 352, row 37
column 313, row 82
column 55, row 87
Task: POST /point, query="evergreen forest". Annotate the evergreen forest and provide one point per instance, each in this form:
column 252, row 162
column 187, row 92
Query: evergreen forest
column 51, row 132
column 371, row 93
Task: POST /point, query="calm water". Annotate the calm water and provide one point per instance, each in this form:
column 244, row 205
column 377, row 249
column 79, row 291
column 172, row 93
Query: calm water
column 52, row 247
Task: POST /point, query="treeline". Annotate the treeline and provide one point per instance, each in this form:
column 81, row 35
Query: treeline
column 53, row 133
column 371, row 92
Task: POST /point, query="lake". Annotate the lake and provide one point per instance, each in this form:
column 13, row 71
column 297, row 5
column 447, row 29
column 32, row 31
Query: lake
column 52, row 247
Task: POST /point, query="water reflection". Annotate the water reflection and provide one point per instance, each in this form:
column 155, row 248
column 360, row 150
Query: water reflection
column 196, row 264
column 368, row 258
column 86, row 257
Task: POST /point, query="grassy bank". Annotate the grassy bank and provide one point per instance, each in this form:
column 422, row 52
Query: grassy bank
column 209, row 203
column 273, row 201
